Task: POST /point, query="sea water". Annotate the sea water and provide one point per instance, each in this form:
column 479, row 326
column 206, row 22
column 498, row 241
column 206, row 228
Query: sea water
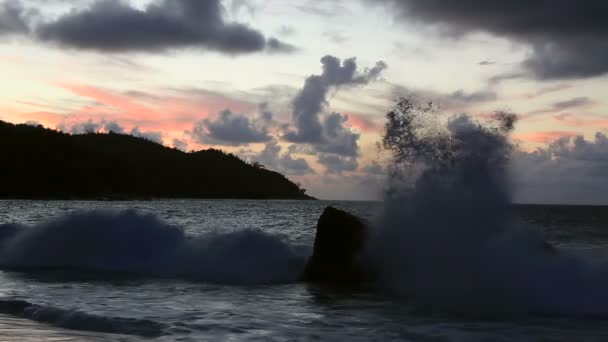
column 220, row 270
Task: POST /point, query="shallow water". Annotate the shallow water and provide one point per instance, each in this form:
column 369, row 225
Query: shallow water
column 67, row 305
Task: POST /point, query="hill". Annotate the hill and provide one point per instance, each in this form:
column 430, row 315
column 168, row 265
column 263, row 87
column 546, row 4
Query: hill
column 39, row 163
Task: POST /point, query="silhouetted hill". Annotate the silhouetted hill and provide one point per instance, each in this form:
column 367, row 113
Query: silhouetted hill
column 39, row 163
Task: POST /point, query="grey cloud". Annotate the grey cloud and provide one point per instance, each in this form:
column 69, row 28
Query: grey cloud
column 13, row 18
column 277, row 46
column 337, row 164
column 458, row 100
column 374, row 168
column 573, row 103
column 570, row 170
column 113, row 127
column 338, row 139
column 569, row 39
column 336, row 37
column 271, row 157
column 287, row 30
column 116, row 26
column 312, row 98
column 479, row 96
column 156, row 137
column 577, row 102
column 233, row 129
column 180, row 144
column 327, row 9
column 86, row 127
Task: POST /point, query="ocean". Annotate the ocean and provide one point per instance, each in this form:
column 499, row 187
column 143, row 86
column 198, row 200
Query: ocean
column 226, row 270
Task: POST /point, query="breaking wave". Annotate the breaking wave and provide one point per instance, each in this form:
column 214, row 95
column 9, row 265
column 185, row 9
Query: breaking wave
column 76, row 320
column 136, row 243
column 448, row 239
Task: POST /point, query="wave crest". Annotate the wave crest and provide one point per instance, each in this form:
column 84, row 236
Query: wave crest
column 76, row 320
column 131, row 242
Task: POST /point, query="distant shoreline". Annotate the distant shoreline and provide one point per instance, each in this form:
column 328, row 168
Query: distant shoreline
column 44, row 164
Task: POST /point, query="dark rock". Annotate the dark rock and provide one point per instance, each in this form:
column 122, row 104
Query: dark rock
column 339, row 241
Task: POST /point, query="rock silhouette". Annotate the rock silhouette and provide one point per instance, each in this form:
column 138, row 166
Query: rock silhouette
column 339, row 240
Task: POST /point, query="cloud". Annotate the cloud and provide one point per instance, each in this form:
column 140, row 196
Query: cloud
column 114, row 127
column 548, row 90
column 287, row 31
column 543, row 137
column 116, row 26
column 180, row 144
column 338, row 139
column 329, row 134
column 374, row 168
column 336, row 37
column 568, row 39
column 337, row 164
column 311, row 99
column 86, row 127
column 326, row 9
column 90, row 126
column 456, row 101
column 560, row 106
column 13, row 18
column 103, row 126
column 271, row 157
column 474, row 97
column 233, row 129
column 276, row 46
column 573, row 103
column 570, row 170
column 156, row 137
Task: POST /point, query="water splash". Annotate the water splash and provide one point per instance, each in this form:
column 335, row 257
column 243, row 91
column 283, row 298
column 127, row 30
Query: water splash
column 448, row 239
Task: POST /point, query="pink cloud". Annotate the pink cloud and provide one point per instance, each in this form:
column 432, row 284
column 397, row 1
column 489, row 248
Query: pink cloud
column 363, row 123
column 121, row 103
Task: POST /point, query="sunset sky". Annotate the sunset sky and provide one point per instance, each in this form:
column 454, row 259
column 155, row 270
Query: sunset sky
column 303, row 86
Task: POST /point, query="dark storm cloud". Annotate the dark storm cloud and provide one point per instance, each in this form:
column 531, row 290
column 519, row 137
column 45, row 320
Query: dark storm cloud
column 311, row 99
column 13, row 18
column 116, row 26
column 569, row 39
column 233, row 129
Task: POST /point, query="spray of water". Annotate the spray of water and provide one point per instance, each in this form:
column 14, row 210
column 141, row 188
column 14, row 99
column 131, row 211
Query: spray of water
column 447, row 239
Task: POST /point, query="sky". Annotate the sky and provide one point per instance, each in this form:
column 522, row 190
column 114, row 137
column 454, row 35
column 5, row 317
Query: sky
column 302, row 87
